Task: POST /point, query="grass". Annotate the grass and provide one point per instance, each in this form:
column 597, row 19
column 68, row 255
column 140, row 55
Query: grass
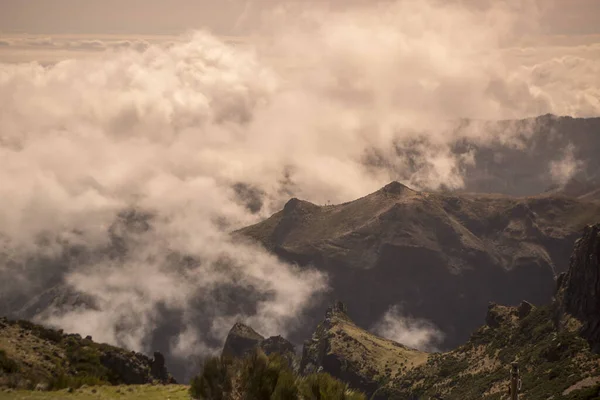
column 141, row 392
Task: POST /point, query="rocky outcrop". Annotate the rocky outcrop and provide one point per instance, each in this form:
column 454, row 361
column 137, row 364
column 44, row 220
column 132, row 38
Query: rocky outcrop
column 131, row 368
column 242, row 339
column 353, row 355
column 579, row 291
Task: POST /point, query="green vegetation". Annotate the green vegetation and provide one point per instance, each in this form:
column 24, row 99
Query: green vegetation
column 215, row 380
column 133, row 392
column 258, row 377
column 7, row 365
column 34, row 356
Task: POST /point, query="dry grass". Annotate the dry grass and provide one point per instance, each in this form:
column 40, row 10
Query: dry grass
column 141, row 392
column 372, row 354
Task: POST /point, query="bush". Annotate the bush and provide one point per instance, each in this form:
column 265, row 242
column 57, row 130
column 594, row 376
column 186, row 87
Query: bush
column 260, row 375
column 323, row 386
column 214, row 381
column 286, row 388
column 6, row 364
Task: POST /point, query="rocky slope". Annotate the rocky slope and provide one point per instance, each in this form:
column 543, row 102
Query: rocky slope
column 397, row 246
column 34, row 356
column 364, row 361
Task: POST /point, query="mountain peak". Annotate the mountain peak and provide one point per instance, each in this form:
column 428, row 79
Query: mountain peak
column 337, row 309
column 295, row 205
column 396, row 187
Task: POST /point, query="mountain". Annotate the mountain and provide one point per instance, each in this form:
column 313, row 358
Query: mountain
column 521, row 157
column 440, row 256
column 32, row 356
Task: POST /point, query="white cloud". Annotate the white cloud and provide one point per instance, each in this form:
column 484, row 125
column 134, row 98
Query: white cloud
column 412, row 332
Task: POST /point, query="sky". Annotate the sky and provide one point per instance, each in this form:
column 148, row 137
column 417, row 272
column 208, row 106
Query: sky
column 188, row 111
column 560, row 17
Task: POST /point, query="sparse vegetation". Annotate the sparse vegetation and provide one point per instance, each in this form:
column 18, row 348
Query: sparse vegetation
column 7, row 365
column 261, row 377
column 551, row 361
column 33, row 356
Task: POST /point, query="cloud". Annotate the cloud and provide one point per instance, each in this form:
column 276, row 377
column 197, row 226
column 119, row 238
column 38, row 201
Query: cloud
column 139, row 45
column 412, row 332
column 564, row 169
column 86, row 45
column 203, row 137
column 39, row 41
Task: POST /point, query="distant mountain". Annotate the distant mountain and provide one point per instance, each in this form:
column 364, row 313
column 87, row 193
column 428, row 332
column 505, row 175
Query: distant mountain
column 524, row 157
column 439, row 256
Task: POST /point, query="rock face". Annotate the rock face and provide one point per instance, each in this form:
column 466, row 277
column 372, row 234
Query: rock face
column 444, row 257
column 242, row 339
column 579, row 291
column 353, row 355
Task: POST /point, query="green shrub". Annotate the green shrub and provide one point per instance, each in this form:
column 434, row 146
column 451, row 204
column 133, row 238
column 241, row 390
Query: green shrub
column 323, row 386
column 214, row 381
column 286, row 388
column 6, row 364
column 260, row 375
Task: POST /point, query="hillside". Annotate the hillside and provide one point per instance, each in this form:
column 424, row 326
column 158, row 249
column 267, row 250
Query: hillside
column 32, row 356
column 395, row 247
column 347, row 352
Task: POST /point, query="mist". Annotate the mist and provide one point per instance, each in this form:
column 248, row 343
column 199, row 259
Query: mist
column 123, row 174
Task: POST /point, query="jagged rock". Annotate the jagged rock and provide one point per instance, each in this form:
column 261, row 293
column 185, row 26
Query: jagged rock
column 579, row 292
column 240, row 340
column 158, row 368
column 277, row 344
column 524, row 309
column 131, row 370
column 493, row 318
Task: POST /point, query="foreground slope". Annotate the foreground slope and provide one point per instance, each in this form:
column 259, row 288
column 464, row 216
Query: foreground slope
column 32, row 356
column 131, row 392
column 444, row 257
